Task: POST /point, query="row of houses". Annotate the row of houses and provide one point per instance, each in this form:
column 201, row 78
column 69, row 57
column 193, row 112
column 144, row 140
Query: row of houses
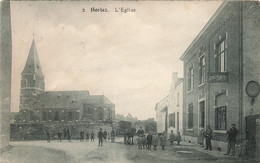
column 220, row 82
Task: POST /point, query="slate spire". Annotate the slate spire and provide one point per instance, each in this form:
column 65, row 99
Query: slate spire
column 33, row 65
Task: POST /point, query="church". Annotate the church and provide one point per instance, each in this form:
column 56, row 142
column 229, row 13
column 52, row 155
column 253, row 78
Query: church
column 40, row 106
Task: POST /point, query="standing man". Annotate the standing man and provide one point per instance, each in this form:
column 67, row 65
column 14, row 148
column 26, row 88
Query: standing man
column 59, row 136
column 231, row 137
column 100, row 137
column 87, row 136
column 113, row 134
column 48, row 135
column 140, row 132
column 92, row 136
column 163, row 140
column 81, row 136
column 208, row 136
column 149, row 140
column 105, row 135
column 69, row 135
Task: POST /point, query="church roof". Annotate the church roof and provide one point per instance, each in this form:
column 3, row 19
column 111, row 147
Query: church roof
column 33, row 65
column 67, row 99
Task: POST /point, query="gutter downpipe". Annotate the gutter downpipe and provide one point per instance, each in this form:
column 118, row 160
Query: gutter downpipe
column 241, row 80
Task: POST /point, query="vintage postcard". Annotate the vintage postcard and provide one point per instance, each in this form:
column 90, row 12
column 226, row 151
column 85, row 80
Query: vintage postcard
column 129, row 81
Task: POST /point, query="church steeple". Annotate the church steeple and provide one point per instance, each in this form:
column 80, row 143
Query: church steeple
column 32, row 82
column 33, row 65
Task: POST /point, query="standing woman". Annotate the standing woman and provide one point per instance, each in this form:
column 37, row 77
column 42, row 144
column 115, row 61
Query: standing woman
column 163, row 140
column 200, row 139
column 155, row 140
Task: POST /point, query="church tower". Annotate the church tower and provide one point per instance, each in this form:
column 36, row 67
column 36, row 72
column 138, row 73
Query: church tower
column 32, row 81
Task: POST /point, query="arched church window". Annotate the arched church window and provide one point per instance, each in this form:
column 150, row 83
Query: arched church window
column 56, row 116
column 44, row 116
column 69, row 116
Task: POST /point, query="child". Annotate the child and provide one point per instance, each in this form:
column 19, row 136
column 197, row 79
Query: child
column 139, row 140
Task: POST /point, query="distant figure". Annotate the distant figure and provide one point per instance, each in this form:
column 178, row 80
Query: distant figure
column 59, row 135
column 139, row 142
column 105, row 135
column 149, row 140
column 200, row 139
column 69, row 135
column 92, row 136
column 178, row 138
column 144, row 141
column 48, row 135
column 232, row 133
column 208, row 136
column 87, row 136
column 171, row 137
column 140, row 132
column 108, row 136
column 81, row 136
column 64, row 133
column 113, row 135
column 163, row 140
column 155, row 140
column 100, row 137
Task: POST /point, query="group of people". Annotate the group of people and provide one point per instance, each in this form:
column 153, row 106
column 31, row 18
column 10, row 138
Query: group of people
column 207, row 135
column 83, row 136
column 105, row 135
column 152, row 139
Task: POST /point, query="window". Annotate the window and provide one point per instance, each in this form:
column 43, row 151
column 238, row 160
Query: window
column 56, row 116
column 44, row 116
column 69, row 116
column 178, row 99
column 202, row 69
column 221, row 121
column 190, row 78
column 172, row 120
column 221, row 55
column 190, row 116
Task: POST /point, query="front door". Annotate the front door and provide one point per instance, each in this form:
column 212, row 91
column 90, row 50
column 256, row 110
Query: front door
column 251, row 134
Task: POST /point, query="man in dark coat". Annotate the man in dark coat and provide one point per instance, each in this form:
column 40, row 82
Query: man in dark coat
column 231, row 137
column 87, row 136
column 149, row 140
column 59, row 136
column 100, row 137
column 113, row 135
column 81, row 136
column 208, row 136
column 48, row 135
column 92, row 135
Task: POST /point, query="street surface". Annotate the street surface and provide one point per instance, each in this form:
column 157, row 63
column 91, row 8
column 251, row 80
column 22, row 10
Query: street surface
column 81, row 152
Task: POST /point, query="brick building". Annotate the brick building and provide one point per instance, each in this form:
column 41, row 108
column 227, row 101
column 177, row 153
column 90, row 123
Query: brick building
column 218, row 64
column 40, row 106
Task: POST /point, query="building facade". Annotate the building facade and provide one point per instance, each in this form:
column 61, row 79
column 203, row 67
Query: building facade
column 161, row 109
column 218, row 64
column 175, row 103
column 40, row 106
column 5, row 72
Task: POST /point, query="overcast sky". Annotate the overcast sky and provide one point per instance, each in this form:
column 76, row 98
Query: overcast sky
column 127, row 56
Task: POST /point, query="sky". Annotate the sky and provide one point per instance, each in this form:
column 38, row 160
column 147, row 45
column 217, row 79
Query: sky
column 128, row 57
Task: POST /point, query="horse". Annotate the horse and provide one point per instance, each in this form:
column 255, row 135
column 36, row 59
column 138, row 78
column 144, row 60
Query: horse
column 128, row 134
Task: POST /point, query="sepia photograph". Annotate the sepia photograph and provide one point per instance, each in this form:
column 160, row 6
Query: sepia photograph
column 85, row 81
